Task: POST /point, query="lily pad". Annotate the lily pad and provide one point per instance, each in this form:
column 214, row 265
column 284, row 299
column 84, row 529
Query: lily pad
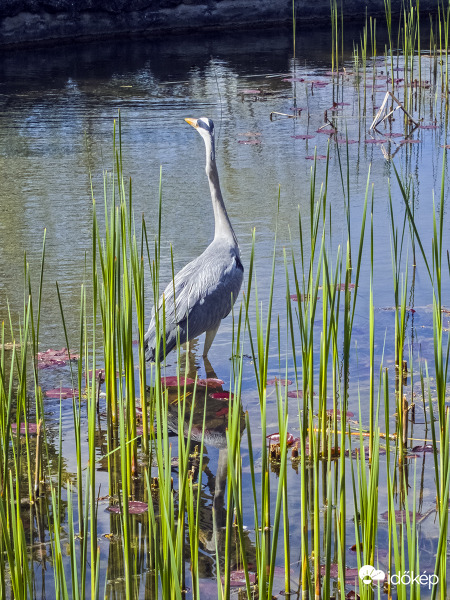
column 334, row 571
column 341, row 286
column 318, row 157
column 32, row 428
column 99, row 375
column 63, row 392
column 274, row 438
column 222, row 395
column 295, row 394
column 294, row 297
column 330, row 411
column 303, row 137
column 54, row 358
column 210, row 382
column 173, row 381
column 237, row 578
column 400, row 515
column 278, row 381
column 134, row 508
column 424, row 448
column 372, row 141
column 249, row 142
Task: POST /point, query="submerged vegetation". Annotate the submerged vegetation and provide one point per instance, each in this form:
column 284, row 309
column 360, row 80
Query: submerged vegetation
column 284, row 514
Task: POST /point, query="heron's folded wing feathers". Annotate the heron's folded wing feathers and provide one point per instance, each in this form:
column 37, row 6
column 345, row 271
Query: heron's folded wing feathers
column 203, row 293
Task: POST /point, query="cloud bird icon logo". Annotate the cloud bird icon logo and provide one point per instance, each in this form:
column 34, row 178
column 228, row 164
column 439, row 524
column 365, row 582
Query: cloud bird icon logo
column 368, row 574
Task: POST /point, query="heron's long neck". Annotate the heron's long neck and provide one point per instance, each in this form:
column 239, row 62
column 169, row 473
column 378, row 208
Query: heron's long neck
column 223, row 226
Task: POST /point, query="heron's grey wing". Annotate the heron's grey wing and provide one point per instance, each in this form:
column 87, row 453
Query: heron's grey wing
column 173, row 305
column 210, row 294
column 199, row 297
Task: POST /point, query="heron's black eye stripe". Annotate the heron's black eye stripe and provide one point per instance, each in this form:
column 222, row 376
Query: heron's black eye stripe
column 238, row 264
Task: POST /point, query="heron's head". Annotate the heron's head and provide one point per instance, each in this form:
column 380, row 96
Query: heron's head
column 205, row 127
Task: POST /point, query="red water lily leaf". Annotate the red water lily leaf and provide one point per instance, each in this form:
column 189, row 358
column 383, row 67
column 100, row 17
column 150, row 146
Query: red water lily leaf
column 134, row 508
column 447, row 146
column 278, row 381
column 222, row 395
column 237, row 578
column 400, row 515
column 372, row 141
column 210, row 382
column 341, row 286
column 32, row 428
column 295, row 394
column 173, row 381
column 137, row 508
column 294, row 297
column 318, row 157
column 411, row 142
column 64, row 392
column 302, row 137
column 424, row 448
column 249, row 142
column 54, row 358
column 428, row 126
column 330, row 411
column 274, row 438
column 326, row 131
column 334, row 571
column 394, row 135
column 99, row 374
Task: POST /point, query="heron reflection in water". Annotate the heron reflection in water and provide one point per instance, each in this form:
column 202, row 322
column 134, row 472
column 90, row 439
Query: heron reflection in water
column 204, row 291
column 213, row 512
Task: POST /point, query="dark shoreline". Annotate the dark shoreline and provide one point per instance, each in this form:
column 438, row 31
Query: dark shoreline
column 32, row 23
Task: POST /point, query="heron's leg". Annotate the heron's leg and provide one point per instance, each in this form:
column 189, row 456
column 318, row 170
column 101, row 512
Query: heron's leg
column 210, row 335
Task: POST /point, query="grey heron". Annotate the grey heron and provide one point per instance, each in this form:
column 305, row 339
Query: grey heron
column 204, row 291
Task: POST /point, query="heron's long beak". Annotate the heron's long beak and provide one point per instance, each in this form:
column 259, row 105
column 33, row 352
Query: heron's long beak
column 192, row 122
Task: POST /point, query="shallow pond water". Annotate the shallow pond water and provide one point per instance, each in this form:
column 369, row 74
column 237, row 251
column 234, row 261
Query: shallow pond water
column 56, row 124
